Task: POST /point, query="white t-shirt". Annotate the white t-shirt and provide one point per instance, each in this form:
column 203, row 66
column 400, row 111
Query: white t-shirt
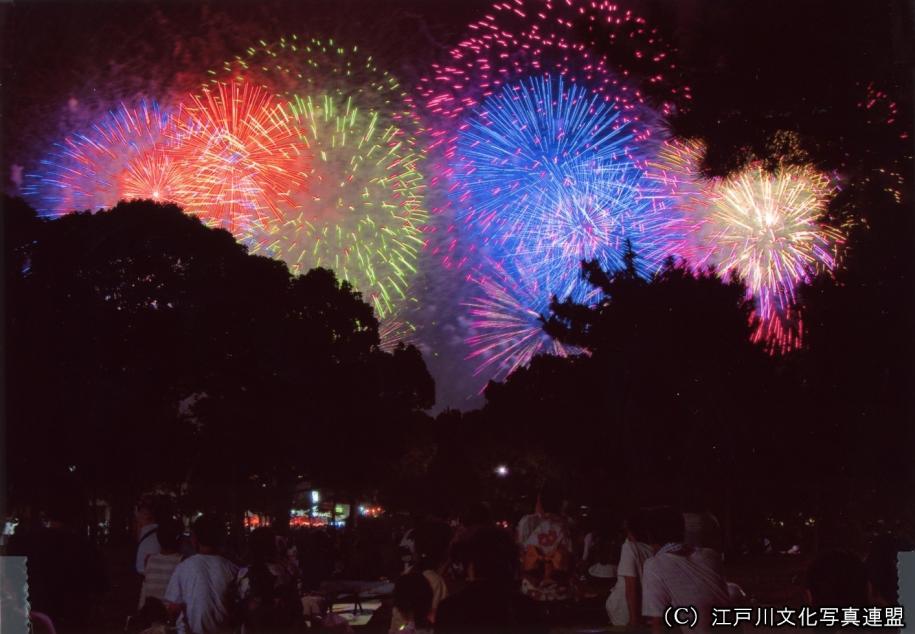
column 632, row 560
column 148, row 545
column 205, row 585
column 682, row 576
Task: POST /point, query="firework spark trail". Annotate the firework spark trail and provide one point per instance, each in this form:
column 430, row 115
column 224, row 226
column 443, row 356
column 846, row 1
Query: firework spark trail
column 393, row 332
column 677, row 189
column 120, row 156
column 242, row 153
column 507, row 329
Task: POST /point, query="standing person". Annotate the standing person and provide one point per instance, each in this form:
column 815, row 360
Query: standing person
column 201, row 592
column 147, row 518
column 679, row 575
column 160, row 566
column 624, row 605
column 547, row 562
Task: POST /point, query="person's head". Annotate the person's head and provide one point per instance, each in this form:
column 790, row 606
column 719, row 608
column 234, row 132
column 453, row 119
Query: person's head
column 169, row 534
column 413, row 598
column 837, row 578
column 491, row 554
column 431, row 542
column 637, row 525
column 665, row 525
column 207, row 533
column 151, row 510
column 603, row 552
column 550, row 498
column 263, row 545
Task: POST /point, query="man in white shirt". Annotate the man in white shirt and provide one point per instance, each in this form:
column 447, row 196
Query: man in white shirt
column 624, row 605
column 147, row 541
column 679, row 575
column 201, row 591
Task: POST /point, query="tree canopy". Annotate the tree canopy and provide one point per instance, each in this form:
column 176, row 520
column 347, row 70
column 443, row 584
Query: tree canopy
column 147, row 349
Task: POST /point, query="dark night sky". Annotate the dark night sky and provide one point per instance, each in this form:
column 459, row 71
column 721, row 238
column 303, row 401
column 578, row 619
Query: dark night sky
column 798, row 65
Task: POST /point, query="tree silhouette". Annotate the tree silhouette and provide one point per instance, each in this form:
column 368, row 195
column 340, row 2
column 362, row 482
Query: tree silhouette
column 858, row 367
column 663, row 404
column 151, row 350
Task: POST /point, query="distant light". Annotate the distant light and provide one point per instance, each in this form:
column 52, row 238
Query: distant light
column 501, row 471
column 72, row 468
column 315, row 497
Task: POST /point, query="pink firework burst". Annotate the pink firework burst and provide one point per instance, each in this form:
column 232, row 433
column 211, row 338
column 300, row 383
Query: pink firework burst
column 609, row 49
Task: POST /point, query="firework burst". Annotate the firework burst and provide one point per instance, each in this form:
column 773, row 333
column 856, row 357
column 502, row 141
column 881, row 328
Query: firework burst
column 154, row 175
column 507, row 330
column 242, row 154
column 593, row 42
column 548, row 177
column 594, row 46
column 121, row 156
column 365, row 215
column 364, row 211
column 546, row 173
column 767, row 229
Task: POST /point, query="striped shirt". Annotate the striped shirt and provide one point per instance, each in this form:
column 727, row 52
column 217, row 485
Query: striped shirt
column 158, row 571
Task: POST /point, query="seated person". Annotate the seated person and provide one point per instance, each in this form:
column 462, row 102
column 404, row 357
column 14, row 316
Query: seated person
column 680, row 575
column 490, row 603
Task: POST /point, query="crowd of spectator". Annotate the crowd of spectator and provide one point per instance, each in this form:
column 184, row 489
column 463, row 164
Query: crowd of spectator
column 471, row 575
